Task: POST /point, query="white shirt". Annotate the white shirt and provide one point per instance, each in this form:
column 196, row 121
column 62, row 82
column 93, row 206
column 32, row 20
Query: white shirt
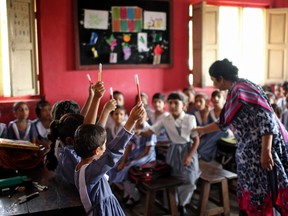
column 178, row 130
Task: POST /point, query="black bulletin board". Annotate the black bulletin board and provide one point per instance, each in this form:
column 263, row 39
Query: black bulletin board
column 85, row 50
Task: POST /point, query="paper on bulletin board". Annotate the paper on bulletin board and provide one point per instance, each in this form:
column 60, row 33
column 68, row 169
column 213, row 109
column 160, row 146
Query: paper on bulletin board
column 96, row 19
column 126, row 19
column 155, row 20
column 142, row 42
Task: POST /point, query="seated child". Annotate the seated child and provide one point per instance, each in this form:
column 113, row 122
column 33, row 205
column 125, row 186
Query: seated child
column 3, row 129
column 138, row 151
column 118, row 116
column 20, row 129
column 182, row 153
column 190, row 93
column 208, row 143
column 42, row 123
column 120, row 100
column 202, row 108
column 97, row 158
column 64, row 130
column 158, row 103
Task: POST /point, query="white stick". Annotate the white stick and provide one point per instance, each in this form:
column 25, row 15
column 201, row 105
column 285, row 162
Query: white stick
column 100, row 68
column 190, row 79
column 89, row 78
column 111, row 92
column 136, row 79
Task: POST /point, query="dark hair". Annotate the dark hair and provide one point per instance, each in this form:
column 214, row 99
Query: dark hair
column 142, row 94
column 39, row 106
column 203, row 95
column 159, row 96
column 62, row 107
column 65, row 127
column 215, row 93
column 189, row 88
column 18, row 104
column 120, row 108
column 87, row 138
column 285, row 85
column 117, row 93
column 176, row 96
column 224, row 69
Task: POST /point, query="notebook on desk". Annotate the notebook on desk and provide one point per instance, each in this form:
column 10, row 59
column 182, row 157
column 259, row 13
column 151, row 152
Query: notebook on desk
column 19, row 144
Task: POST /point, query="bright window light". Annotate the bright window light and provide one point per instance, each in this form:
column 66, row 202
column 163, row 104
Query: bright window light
column 241, row 40
column 4, row 52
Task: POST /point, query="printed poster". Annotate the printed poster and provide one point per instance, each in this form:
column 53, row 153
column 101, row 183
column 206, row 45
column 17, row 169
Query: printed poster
column 155, row 20
column 96, row 19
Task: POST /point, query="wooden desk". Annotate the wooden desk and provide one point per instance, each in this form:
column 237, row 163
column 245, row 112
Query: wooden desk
column 61, row 198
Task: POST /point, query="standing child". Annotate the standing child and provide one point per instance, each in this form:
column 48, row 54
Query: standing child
column 90, row 179
column 140, row 150
column 182, row 153
column 42, row 123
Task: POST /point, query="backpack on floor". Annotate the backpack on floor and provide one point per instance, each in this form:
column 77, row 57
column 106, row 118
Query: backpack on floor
column 148, row 172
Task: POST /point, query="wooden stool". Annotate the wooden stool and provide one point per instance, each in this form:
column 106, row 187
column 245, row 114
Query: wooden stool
column 212, row 174
column 168, row 184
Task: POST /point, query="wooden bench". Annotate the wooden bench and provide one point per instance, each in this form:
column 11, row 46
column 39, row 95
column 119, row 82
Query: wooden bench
column 213, row 174
column 167, row 184
column 61, row 198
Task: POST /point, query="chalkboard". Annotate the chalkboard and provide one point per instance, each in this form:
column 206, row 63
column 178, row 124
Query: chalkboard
column 122, row 33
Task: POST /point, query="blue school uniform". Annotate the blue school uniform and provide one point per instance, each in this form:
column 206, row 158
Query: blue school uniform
column 67, row 161
column 208, row 143
column 139, row 144
column 93, row 186
column 14, row 133
column 179, row 133
column 41, row 131
column 3, row 130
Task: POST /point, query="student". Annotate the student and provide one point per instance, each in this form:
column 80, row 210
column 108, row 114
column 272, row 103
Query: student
column 190, row 93
column 208, row 143
column 120, row 100
column 64, row 129
column 182, row 153
column 3, row 129
column 202, row 108
column 59, row 109
column 42, row 123
column 158, row 103
column 20, row 129
column 118, row 116
column 138, row 151
column 97, row 159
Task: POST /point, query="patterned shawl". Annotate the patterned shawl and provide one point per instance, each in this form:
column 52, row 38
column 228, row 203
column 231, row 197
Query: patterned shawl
column 245, row 92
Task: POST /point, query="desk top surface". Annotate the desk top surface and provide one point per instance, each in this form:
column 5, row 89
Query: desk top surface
column 59, row 196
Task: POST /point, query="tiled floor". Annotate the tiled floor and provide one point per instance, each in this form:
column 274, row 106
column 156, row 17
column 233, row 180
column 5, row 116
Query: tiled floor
column 138, row 209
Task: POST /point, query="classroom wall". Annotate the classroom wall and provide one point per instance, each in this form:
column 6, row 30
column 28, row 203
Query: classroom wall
column 60, row 79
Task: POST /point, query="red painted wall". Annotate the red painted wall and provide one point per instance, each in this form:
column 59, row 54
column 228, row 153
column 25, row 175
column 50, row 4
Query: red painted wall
column 60, row 79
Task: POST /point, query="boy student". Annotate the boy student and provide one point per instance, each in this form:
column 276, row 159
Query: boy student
column 182, row 153
column 97, row 158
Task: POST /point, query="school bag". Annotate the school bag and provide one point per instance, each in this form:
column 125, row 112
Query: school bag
column 148, row 171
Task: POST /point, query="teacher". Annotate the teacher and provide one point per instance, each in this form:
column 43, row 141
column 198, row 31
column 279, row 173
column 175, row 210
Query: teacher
column 262, row 150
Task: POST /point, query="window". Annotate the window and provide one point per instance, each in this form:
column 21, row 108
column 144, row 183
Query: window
column 18, row 48
column 236, row 33
column 241, row 40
